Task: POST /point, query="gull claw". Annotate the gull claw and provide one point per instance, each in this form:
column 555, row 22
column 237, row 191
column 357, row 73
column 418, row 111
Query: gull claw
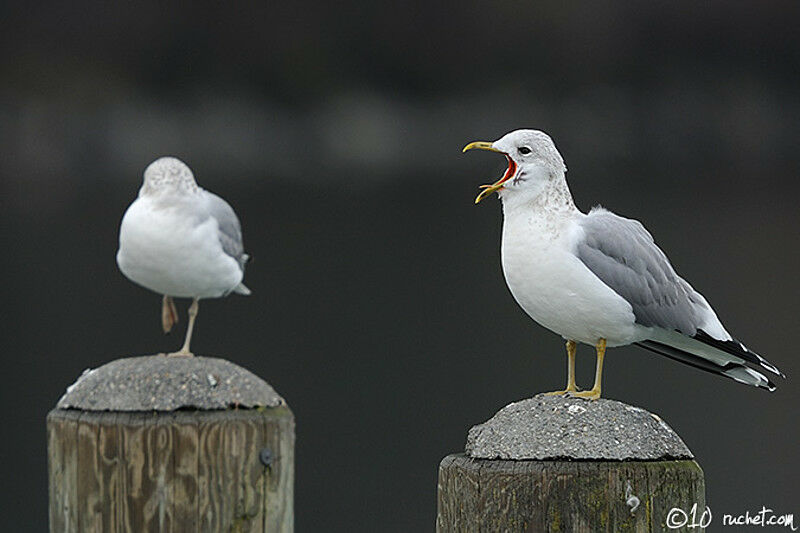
column 180, row 354
column 565, row 392
column 591, row 394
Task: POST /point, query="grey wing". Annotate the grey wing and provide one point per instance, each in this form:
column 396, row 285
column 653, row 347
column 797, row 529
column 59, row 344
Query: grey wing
column 624, row 256
column 230, row 231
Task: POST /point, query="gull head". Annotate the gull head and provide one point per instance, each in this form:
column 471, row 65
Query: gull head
column 531, row 155
column 168, row 174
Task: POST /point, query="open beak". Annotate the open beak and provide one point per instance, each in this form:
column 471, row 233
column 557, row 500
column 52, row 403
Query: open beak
column 497, row 185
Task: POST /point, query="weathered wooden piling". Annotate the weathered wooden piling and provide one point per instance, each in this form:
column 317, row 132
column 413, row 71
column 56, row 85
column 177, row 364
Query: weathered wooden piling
column 171, row 444
column 559, row 464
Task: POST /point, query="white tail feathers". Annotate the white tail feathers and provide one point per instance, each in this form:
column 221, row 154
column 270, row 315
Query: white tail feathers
column 242, row 289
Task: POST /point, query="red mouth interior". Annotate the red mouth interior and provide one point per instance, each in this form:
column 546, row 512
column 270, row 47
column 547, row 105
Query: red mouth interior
column 510, row 171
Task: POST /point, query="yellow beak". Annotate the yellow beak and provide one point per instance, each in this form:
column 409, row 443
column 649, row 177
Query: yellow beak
column 489, row 189
column 479, row 145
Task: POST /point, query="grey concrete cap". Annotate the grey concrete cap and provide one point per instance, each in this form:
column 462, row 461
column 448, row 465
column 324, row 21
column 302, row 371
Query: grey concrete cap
column 559, row 428
column 160, row 383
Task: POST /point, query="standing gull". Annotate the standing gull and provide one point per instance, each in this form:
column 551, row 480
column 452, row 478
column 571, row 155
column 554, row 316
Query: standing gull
column 599, row 278
column 181, row 241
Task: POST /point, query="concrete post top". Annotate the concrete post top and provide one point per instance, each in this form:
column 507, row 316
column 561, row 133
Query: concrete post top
column 160, row 383
column 559, row 428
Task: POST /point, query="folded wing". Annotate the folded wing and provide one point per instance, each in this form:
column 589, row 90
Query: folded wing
column 622, row 254
column 230, row 233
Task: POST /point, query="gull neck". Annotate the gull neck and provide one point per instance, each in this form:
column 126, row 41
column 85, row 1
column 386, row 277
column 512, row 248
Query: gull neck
column 551, row 195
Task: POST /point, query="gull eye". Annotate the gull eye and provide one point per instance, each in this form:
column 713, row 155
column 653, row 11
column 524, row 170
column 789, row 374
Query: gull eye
column 524, row 150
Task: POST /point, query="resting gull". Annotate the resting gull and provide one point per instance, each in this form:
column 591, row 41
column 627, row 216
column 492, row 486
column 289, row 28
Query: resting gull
column 599, row 278
column 181, row 241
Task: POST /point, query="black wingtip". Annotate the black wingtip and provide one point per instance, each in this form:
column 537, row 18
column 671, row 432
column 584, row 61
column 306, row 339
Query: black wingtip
column 737, row 348
column 737, row 372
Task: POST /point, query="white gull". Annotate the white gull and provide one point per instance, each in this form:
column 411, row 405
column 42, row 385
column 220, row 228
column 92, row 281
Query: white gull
column 181, row 241
column 599, row 278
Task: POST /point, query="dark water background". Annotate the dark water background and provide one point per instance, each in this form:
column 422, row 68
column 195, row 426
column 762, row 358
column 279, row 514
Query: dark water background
column 378, row 309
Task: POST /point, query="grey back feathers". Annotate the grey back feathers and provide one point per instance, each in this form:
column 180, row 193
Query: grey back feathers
column 230, row 230
column 622, row 253
column 230, row 233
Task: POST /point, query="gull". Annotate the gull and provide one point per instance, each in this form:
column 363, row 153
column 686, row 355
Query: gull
column 181, row 241
column 598, row 278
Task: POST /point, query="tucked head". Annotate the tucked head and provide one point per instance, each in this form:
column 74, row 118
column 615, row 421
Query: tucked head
column 531, row 156
column 168, row 173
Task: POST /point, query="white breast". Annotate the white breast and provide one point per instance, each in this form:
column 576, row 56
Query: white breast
column 174, row 254
column 554, row 287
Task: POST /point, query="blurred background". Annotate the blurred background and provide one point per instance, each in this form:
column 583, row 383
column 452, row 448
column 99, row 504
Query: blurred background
column 379, row 310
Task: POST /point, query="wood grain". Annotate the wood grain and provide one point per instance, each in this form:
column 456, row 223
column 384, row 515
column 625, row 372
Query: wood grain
column 584, row 496
column 279, row 502
column 169, row 472
column 62, row 435
column 186, row 460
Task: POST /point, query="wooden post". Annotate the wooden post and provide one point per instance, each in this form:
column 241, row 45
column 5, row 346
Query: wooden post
column 171, row 444
column 559, row 464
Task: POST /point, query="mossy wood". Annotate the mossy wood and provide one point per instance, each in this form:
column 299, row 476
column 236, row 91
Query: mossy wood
column 171, row 471
column 570, row 496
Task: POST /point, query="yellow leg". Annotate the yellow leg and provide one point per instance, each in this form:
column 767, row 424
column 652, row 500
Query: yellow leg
column 571, row 347
column 594, row 394
column 192, row 315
